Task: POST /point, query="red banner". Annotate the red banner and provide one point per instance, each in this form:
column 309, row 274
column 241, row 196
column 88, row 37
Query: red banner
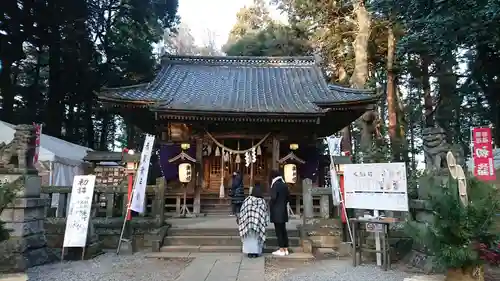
column 38, row 132
column 482, row 154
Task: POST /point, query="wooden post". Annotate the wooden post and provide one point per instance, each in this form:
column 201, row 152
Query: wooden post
column 160, row 200
column 275, row 153
column 324, row 203
column 143, row 214
column 110, row 204
column 307, row 198
column 251, row 173
column 199, row 176
column 124, row 191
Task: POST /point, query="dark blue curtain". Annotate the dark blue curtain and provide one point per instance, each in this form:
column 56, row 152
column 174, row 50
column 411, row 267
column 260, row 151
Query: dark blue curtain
column 170, row 170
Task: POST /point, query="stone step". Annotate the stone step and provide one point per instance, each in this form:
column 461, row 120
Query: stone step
column 222, row 232
column 206, row 240
column 217, row 249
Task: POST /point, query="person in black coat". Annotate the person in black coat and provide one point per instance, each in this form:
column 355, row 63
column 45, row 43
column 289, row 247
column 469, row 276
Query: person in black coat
column 237, row 192
column 279, row 210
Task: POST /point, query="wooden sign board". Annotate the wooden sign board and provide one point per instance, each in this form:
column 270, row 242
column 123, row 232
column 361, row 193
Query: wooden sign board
column 79, row 213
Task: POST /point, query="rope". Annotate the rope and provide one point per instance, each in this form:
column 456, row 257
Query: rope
column 237, row 151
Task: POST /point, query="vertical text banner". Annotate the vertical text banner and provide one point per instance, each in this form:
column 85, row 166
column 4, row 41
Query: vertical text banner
column 482, row 154
column 141, row 176
column 334, row 150
column 80, row 205
column 38, row 133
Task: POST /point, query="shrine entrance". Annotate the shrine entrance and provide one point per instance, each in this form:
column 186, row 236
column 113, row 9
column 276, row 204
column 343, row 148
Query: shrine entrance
column 248, row 156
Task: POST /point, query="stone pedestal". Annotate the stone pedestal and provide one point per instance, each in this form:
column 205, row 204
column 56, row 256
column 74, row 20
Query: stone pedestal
column 27, row 245
column 419, row 257
column 307, row 198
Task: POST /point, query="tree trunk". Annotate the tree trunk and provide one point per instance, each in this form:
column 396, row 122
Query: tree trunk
column 465, row 274
column 392, row 103
column 7, row 91
column 104, row 132
column 346, row 145
column 54, row 116
column 426, row 87
column 33, row 104
column 360, row 74
column 447, row 83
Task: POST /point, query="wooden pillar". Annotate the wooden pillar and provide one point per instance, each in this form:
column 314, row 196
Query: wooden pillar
column 275, row 153
column 199, row 176
column 251, row 174
column 110, row 205
column 160, row 200
column 324, row 203
column 307, row 198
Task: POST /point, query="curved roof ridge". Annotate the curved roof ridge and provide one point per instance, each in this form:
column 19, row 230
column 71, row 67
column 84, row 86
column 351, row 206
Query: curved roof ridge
column 335, row 87
column 239, row 60
column 130, row 87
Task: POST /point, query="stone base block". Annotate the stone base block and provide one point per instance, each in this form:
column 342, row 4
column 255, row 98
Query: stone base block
column 307, row 246
column 426, row 278
column 19, row 262
column 421, row 261
column 91, row 251
column 128, row 247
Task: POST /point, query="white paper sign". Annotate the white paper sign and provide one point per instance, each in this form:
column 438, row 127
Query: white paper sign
column 378, row 186
column 141, row 176
column 77, row 221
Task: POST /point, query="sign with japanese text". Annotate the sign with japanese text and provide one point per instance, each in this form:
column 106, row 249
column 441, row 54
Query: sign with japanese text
column 80, row 206
column 141, row 176
column 374, row 227
column 38, row 133
column 334, row 150
column 482, row 154
column 377, row 186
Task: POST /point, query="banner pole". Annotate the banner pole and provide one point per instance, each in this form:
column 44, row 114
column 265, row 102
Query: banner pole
column 124, row 225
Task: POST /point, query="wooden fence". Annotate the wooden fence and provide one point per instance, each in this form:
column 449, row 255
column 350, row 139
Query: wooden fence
column 111, row 201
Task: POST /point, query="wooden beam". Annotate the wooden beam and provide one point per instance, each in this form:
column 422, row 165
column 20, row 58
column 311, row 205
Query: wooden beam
column 275, row 153
column 199, row 176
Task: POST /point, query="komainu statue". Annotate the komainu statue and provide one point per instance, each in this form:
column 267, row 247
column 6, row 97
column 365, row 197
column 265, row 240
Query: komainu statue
column 20, row 151
column 435, row 148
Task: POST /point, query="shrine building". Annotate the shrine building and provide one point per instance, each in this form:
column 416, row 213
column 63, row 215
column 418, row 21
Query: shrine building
column 251, row 114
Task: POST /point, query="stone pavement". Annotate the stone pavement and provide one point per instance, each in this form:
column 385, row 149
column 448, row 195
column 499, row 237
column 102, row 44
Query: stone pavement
column 223, row 267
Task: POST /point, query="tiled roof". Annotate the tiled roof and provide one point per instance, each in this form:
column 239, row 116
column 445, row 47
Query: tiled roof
column 238, row 84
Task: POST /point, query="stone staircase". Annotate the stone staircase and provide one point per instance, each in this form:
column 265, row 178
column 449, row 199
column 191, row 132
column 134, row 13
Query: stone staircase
column 216, row 206
column 224, row 240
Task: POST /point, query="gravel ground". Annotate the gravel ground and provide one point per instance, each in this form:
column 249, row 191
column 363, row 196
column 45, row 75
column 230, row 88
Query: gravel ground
column 110, row 267
column 331, row 270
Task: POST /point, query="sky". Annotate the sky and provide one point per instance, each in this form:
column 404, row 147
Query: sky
column 216, row 16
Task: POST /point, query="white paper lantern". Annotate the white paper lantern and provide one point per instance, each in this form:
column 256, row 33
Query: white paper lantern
column 185, row 172
column 290, row 171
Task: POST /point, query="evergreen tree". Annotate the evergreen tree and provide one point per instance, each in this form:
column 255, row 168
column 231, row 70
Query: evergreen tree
column 456, row 231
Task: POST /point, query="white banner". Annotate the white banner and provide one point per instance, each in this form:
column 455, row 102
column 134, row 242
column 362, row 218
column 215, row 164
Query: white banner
column 141, row 176
column 77, row 221
column 334, row 145
column 334, row 150
column 377, row 186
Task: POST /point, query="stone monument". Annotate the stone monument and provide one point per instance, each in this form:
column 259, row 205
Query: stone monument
column 27, row 245
column 437, row 173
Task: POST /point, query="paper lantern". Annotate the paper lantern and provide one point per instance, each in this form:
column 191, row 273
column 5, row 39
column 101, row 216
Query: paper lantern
column 290, row 171
column 185, row 172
